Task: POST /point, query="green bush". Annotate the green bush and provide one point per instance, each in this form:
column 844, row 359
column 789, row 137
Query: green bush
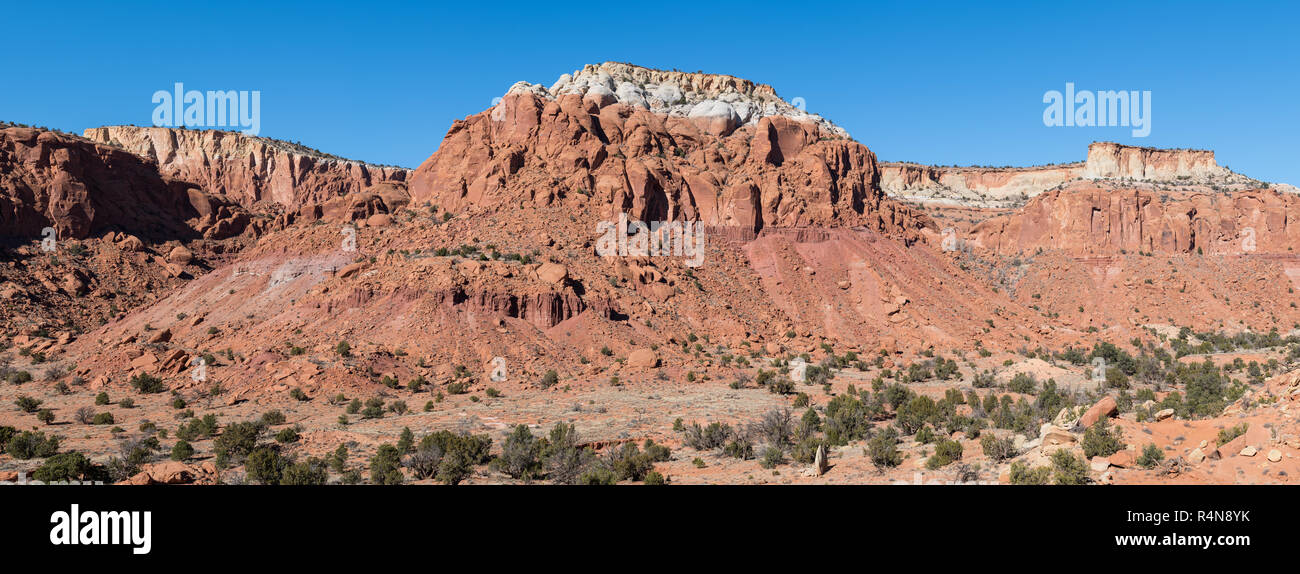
column 1022, row 474
column 1151, row 456
column 1068, row 468
column 882, row 449
column 1101, row 440
column 147, row 384
column 265, row 466
column 236, row 442
column 27, row 404
column 182, row 451
column 520, row 455
column 998, row 449
column 66, row 466
column 27, row 445
column 946, row 452
column 386, row 466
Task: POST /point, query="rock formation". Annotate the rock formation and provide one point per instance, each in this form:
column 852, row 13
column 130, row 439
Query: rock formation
column 80, row 188
column 1009, row 186
column 1087, row 219
column 656, row 163
column 248, row 170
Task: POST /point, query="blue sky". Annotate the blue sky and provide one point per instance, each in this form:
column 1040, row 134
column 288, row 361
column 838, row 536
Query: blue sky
column 934, row 82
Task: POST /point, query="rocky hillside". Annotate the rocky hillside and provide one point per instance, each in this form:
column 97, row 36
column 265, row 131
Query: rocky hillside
column 248, row 170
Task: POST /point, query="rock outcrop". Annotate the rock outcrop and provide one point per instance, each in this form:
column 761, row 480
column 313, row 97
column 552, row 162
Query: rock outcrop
column 1084, row 219
column 80, row 188
column 654, row 164
column 1112, row 160
column 1009, row 186
column 247, row 170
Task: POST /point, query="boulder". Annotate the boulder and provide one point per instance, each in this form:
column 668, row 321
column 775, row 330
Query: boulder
column 1275, row 455
column 643, row 359
column 180, row 255
column 553, row 273
column 1106, row 407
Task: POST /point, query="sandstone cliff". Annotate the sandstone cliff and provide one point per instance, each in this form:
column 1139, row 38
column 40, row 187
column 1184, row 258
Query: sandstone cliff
column 778, row 170
column 1084, row 219
column 248, row 170
column 1009, row 186
column 80, row 188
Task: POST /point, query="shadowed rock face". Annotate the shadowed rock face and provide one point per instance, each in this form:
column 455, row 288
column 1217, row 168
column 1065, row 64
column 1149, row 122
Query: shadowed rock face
column 247, row 170
column 79, row 188
column 779, row 172
column 1083, row 219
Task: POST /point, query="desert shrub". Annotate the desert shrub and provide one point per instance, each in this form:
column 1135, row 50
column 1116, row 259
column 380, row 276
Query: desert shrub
column 147, row 384
column 946, row 452
column 28, row 444
column 67, row 466
column 1023, row 383
column 550, row 379
column 1229, row 434
column 654, row 478
column 847, row 420
column 563, row 460
column 1068, row 468
column 338, row 459
column 1151, row 456
column 740, row 448
column 103, row 419
column 772, row 457
column 101, row 399
column 774, row 428
column 882, row 449
column 915, row 413
column 309, row 472
column 520, row 454
column 272, row 418
column 265, row 466
column 998, row 449
column 455, row 454
column 1101, row 440
column 182, row 451
column 27, row 404
column 236, row 441
column 1021, row 473
column 598, row 476
column 386, row 466
column 287, row 435
column 714, row 436
column 630, row 463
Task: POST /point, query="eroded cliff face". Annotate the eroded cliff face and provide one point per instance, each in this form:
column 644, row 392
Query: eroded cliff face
column 1112, row 160
column 778, row 172
column 80, row 188
column 1008, row 186
column 1085, row 219
column 973, row 185
column 248, row 170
